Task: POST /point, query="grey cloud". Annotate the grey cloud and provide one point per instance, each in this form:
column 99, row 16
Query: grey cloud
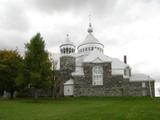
column 15, row 29
column 53, row 40
column 151, row 1
column 14, row 18
column 12, row 40
column 77, row 6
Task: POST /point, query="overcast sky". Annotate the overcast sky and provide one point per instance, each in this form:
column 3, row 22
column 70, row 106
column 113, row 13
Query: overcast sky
column 125, row 27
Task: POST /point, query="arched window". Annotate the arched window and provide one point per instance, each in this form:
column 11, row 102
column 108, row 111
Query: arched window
column 67, row 50
column 127, row 71
column 64, row 50
column 92, row 48
column 61, row 50
column 97, row 75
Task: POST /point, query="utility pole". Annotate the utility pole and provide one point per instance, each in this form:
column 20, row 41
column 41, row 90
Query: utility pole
column 150, row 89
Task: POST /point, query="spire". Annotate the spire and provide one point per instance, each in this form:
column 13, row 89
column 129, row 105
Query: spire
column 90, row 29
column 67, row 35
column 67, row 38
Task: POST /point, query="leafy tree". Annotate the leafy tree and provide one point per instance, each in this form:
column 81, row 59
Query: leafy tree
column 10, row 61
column 37, row 64
column 58, row 84
column 54, row 79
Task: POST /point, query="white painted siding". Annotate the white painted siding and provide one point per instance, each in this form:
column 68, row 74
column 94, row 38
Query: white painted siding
column 157, row 89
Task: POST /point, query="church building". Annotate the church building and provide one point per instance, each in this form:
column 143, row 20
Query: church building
column 89, row 72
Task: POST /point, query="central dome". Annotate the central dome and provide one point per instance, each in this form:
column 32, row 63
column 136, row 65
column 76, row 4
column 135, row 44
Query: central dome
column 90, row 43
column 90, row 39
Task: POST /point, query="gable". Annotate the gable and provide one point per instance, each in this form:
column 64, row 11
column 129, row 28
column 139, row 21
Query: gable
column 97, row 60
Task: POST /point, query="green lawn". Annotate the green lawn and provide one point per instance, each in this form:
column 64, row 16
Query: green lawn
column 84, row 108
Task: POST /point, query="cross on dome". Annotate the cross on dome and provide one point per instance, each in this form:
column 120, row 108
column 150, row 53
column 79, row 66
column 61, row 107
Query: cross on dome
column 67, row 39
column 90, row 29
column 67, row 35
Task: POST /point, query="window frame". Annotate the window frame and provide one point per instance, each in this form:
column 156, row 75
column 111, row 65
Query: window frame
column 97, row 75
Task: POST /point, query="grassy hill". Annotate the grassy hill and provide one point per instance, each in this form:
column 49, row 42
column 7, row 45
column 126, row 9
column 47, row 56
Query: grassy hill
column 82, row 108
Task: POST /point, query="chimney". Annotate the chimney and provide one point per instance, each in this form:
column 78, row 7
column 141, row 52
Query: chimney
column 125, row 59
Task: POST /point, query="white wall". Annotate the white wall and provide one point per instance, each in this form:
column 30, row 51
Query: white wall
column 157, row 89
column 68, row 90
column 117, row 71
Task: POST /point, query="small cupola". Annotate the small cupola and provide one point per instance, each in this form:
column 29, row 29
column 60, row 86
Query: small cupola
column 67, row 47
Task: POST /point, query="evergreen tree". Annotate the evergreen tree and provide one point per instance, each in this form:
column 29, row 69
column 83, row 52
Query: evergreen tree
column 37, row 64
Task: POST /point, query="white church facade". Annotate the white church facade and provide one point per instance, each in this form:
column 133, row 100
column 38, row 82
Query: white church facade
column 89, row 72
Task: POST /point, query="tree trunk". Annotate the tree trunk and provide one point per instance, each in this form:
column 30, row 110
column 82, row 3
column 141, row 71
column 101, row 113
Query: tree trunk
column 35, row 94
column 52, row 92
column 11, row 94
column 55, row 93
column 1, row 92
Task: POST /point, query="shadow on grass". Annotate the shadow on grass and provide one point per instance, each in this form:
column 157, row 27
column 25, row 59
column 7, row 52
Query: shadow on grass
column 78, row 99
column 46, row 100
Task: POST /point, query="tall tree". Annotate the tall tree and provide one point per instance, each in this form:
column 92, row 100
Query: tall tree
column 55, row 79
column 37, row 63
column 10, row 61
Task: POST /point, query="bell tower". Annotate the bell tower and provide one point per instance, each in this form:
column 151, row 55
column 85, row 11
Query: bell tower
column 67, row 47
column 67, row 59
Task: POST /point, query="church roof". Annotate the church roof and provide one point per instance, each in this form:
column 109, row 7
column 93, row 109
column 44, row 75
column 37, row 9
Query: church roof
column 90, row 39
column 97, row 57
column 140, row 77
column 118, row 64
column 67, row 42
column 69, row 82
